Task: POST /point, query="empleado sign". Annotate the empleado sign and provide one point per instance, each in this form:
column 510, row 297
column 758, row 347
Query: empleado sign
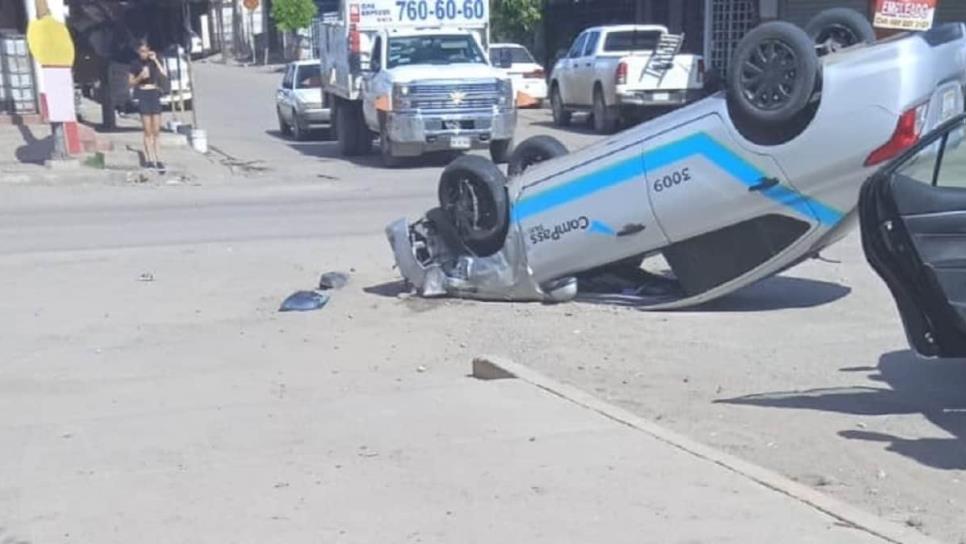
column 905, row 14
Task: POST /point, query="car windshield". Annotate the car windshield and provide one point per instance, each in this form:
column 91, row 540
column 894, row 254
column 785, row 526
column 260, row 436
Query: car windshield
column 632, row 40
column 309, row 77
column 404, row 51
column 516, row 55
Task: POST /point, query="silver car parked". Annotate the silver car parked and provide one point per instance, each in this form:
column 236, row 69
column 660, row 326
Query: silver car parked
column 299, row 101
column 737, row 187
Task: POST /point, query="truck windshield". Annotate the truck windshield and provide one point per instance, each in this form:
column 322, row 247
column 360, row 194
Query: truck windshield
column 630, row 40
column 404, row 51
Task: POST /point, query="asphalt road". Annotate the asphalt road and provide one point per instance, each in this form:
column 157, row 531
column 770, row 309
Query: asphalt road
column 807, row 374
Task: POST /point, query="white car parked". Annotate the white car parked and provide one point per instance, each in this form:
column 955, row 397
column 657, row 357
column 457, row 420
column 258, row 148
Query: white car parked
column 528, row 76
column 615, row 72
column 299, row 102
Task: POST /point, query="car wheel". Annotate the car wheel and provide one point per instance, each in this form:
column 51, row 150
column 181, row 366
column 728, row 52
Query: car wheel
column 605, row 120
column 282, row 125
column 472, row 193
column 534, row 151
column 299, row 132
column 500, row 151
column 561, row 117
column 385, row 149
column 773, row 73
column 838, row 28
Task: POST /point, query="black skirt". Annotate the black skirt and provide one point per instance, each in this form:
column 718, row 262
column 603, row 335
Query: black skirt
column 149, row 101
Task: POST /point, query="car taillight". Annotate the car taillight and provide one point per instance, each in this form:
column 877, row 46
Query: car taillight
column 536, row 74
column 907, row 134
column 622, row 73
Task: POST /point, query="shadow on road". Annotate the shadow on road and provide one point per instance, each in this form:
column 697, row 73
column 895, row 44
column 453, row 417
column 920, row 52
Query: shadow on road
column 778, row 293
column 935, row 389
column 35, row 150
column 321, row 145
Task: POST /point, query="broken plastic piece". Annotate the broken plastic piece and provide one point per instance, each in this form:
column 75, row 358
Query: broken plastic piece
column 304, row 301
column 333, row 280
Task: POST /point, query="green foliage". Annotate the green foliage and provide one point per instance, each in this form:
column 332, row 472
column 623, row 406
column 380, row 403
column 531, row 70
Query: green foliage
column 515, row 20
column 292, row 15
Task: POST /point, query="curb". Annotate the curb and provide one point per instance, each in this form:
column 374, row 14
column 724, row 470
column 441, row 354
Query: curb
column 497, row 368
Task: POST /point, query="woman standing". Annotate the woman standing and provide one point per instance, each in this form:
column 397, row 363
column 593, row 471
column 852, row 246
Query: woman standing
column 146, row 77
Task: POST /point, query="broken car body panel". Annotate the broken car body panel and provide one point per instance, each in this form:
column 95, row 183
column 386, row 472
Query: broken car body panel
column 723, row 210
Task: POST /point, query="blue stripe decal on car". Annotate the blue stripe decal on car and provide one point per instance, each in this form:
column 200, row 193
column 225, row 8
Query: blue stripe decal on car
column 697, row 144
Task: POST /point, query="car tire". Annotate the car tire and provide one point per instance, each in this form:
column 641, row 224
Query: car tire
column 606, row 119
column 472, row 193
column 838, row 28
column 282, row 125
column 299, row 132
column 500, row 151
column 773, row 74
column 561, row 117
column 533, row 151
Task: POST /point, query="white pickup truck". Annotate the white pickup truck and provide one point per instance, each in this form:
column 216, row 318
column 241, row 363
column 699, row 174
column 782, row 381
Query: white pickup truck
column 414, row 73
column 616, row 71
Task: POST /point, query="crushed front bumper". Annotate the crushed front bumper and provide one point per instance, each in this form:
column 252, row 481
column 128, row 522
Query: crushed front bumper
column 434, row 269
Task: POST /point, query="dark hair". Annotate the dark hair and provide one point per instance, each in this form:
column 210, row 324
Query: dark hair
column 143, row 42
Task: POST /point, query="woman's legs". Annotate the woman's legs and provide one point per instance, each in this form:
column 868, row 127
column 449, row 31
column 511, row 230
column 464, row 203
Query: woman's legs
column 147, row 125
column 156, row 133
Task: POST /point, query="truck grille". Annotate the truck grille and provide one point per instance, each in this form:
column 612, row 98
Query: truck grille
column 454, row 96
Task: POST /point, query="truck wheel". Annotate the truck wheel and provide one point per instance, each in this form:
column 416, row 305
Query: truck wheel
column 534, row 151
column 282, row 125
column 838, row 28
column 561, row 117
column 500, row 150
column 773, row 73
column 345, row 129
column 351, row 131
column 472, row 193
column 605, row 118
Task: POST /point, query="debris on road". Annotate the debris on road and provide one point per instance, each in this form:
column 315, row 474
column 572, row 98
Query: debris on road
column 304, row 301
column 333, row 280
column 146, row 277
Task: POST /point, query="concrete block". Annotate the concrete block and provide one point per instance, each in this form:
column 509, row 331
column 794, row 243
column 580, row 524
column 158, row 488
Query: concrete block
column 489, row 368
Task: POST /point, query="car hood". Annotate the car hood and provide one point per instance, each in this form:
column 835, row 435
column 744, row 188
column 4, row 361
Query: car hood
column 409, row 74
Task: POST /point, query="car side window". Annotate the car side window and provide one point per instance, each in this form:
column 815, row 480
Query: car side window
column 289, row 77
column 592, row 40
column 942, row 163
column 951, row 160
column 578, row 47
column 375, row 62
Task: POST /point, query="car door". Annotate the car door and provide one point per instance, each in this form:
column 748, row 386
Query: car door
column 585, row 71
column 568, row 81
column 375, row 83
column 913, row 221
column 726, row 211
column 284, row 97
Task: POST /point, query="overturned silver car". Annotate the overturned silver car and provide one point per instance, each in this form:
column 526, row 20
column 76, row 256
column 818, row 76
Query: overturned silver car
column 737, row 187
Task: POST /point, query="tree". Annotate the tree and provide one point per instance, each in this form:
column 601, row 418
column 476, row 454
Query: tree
column 515, row 20
column 291, row 15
